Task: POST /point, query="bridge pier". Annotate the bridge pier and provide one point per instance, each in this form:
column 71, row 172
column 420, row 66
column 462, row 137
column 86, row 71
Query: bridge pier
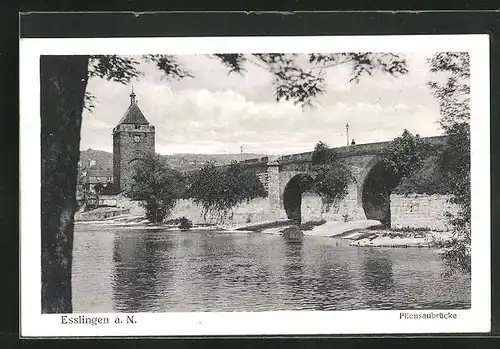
column 351, row 205
column 273, row 185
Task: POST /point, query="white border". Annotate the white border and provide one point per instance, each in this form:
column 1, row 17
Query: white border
column 34, row 324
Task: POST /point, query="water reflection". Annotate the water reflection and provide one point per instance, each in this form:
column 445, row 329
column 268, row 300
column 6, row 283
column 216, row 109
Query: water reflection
column 377, row 270
column 296, row 287
column 377, row 277
column 138, row 259
column 159, row 271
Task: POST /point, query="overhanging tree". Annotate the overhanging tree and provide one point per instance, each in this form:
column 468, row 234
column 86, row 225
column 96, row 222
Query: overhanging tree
column 452, row 90
column 63, row 97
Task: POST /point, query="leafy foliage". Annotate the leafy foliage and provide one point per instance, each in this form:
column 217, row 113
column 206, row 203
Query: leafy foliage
column 219, row 189
column 428, row 178
column 457, row 157
column 331, row 181
column 169, row 65
column 405, row 154
column 157, row 186
column 452, row 90
column 115, row 68
column 89, row 102
column 322, row 154
column 456, row 253
column 363, row 63
column 331, row 176
column 301, row 82
column 294, row 80
column 234, row 62
column 109, row 189
column 99, row 187
column 453, row 96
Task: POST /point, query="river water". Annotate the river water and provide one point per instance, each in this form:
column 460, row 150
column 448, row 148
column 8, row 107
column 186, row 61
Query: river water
column 152, row 270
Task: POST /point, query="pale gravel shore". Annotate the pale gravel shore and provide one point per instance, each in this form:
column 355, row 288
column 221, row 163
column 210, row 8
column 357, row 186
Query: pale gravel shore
column 387, row 238
column 333, row 229
column 356, row 231
column 363, row 237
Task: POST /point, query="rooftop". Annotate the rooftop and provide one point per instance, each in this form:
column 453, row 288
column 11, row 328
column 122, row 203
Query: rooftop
column 133, row 115
column 99, row 172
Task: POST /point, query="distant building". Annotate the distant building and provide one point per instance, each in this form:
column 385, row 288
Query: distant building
column 133, row 138
column 99, row 175
column 90, row 177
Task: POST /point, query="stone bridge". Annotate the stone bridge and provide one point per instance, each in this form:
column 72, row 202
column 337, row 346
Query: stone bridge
column 368, row 195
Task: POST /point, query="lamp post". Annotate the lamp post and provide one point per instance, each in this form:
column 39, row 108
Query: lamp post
column 347, row 133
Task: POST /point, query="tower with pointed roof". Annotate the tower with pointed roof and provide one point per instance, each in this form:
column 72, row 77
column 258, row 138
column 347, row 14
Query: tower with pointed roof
column 133, row 138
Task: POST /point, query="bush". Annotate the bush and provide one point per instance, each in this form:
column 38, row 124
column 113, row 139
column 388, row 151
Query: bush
column 157, row 186
column 109, row 189
column 98, row 188
column 185, row 224
column 322, row 154
column 293, row 233
column 405, row 154
column 219, row 189
column 331, row 176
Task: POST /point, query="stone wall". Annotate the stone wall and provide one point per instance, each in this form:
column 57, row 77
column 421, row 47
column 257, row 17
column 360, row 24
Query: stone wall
column 100, row 214
column 108, row 200
column 257, row 210
column 314, row 209
column 134, row 207
column 421, row 211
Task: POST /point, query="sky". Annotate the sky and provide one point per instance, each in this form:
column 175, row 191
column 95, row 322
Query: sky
column 217, row 112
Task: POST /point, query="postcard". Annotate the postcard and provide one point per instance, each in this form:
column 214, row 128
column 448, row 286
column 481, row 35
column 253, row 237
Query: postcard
column 215, row 186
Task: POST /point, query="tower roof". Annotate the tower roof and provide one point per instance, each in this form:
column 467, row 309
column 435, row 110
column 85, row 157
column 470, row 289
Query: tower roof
column 133, row 115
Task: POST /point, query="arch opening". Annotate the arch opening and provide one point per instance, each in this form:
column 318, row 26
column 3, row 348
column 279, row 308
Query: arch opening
column 292, row 195
column 377, row 188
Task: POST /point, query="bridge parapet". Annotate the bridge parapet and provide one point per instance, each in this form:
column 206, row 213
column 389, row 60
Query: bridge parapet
column 345, row 151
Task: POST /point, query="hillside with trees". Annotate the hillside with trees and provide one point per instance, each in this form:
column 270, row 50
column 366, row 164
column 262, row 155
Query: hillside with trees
column 181, row 162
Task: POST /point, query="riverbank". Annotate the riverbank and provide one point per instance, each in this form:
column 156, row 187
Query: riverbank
column 362, row 233
column 369, row 233
column 398, row 238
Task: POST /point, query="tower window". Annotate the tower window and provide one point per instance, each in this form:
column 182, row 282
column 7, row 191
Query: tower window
column 137, row 127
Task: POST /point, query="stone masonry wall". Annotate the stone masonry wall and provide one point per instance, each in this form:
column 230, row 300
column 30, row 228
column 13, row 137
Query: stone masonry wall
column 257, row 210
column 314, row 209
column 421, row 211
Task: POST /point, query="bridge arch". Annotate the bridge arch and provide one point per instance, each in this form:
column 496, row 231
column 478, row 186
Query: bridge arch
column 292, row 195
column 377, row 186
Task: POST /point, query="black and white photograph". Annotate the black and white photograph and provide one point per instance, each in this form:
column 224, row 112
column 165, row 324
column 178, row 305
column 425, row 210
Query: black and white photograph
column 273, row 182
